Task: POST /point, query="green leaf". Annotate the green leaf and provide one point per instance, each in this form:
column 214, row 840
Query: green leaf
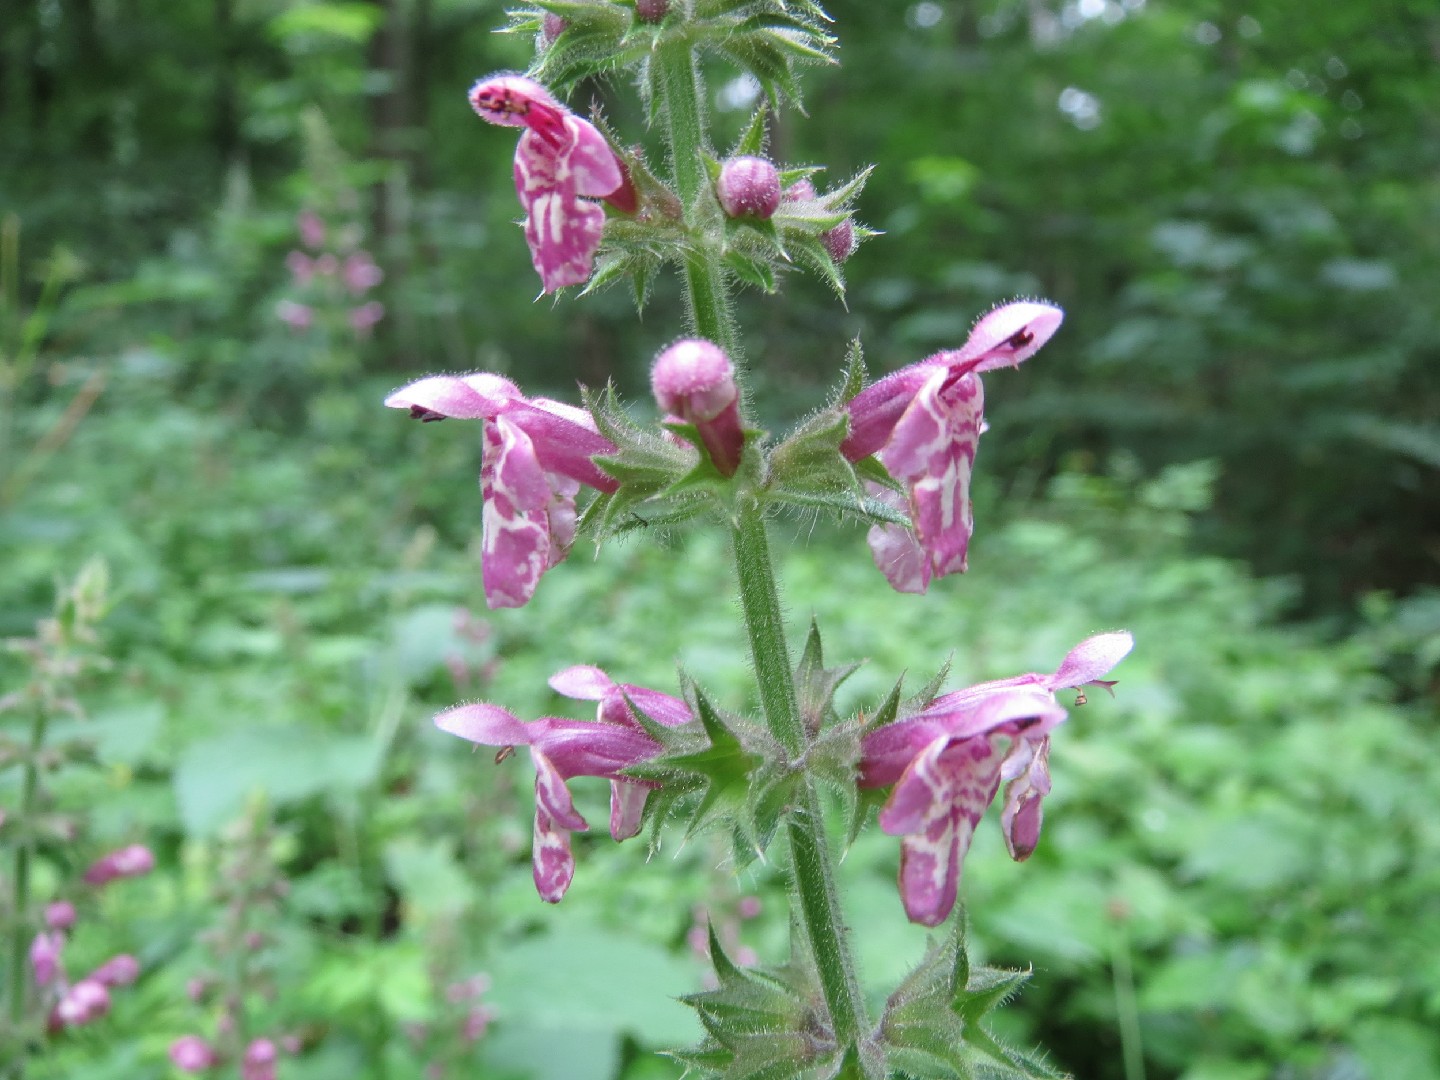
column 751, row 271
column 752, row 140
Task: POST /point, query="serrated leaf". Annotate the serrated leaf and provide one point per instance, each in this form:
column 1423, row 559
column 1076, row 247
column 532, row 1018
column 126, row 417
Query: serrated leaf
column 987, row 989
column 752, row 140
column 750, row 271
column 809, row 461
column 855, row 374
column 815, row 684
column 810, row 251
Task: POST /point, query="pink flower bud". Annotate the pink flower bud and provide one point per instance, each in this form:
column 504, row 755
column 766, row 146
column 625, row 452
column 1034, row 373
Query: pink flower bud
column 840, row 241
column 60, row 915
column 749, row 187
column 694, row 380
column 800, row 191
column 197, row 989
column 651, row 11
column 749, row 907
column 87, row 1000
column 132, row 861
column 192, row 1054
column 312, row 229
column 551, row 27
column 45, row 956
column 119, row 970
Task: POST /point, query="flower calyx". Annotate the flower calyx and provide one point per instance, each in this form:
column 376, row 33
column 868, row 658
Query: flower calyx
column 932, row 1023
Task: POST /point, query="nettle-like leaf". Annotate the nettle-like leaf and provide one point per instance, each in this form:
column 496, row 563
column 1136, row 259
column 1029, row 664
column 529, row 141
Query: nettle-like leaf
column 932, row 1023
column 723, row 771
column 808, row 465
column 763, row 1022
column 645, row 464
column 595, row 42
column 769, row 39
column 815, row 684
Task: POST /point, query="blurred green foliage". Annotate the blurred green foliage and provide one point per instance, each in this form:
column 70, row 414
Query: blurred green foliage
column 1239, row 210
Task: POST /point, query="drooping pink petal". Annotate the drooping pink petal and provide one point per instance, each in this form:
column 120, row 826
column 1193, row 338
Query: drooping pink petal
column 552, row 863
column 1027, row 769
column 932, row 451
column 627, row 808
column 897, row 553
column 522, row 505
column 552, row 795
column 935, row 807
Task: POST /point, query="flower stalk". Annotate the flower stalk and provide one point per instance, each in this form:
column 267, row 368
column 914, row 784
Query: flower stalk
column 706, row 292
column 813, row 866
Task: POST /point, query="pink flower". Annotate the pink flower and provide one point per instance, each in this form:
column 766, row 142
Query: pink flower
column 296, row 316
column 121, row 970
column 561, row 749
column 312, row 229
column 45, row 953
column 560, row 159
column 192, row 1054
column 302, row 267
column 695, row 381
column 923, row 423
column 259, row 1061
column 360, row 273
column 364, row 317
column 537, row 454
column 60, row 915
column 132, row 861
column 946, row 764
column 87, row 1000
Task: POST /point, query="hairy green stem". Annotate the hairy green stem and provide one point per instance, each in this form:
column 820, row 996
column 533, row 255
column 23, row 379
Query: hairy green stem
column 706, row 295
column 814, row 868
